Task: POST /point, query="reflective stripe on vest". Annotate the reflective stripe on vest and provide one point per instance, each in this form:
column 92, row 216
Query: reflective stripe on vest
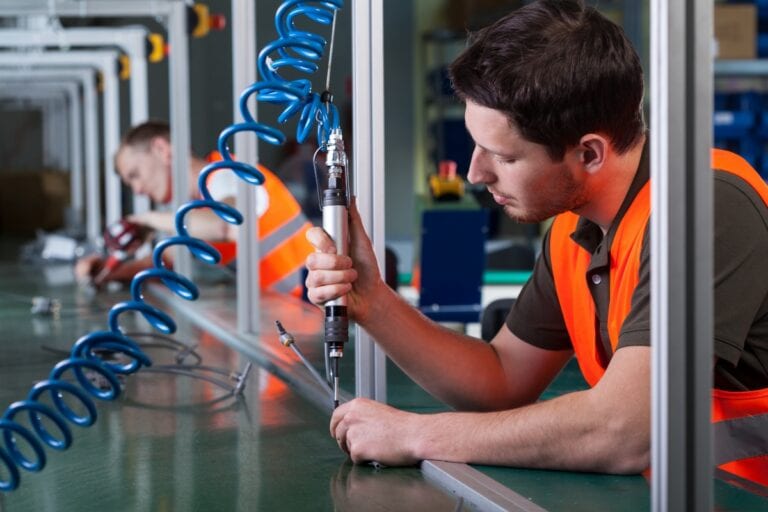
column 740, row 417
column 283, row 247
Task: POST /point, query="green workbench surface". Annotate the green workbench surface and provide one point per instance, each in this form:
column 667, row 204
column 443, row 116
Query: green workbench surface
column 177, row 443
column 550, row 490
column 173, row 442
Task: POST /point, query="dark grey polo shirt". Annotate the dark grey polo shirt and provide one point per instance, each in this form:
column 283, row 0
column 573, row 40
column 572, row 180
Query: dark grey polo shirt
column 741, row 286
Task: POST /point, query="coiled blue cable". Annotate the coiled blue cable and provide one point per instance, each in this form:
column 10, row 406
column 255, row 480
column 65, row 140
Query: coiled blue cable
column 295, row 49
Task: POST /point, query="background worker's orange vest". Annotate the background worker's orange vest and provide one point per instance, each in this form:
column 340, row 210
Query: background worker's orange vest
column 740, row 418
column 283, row 246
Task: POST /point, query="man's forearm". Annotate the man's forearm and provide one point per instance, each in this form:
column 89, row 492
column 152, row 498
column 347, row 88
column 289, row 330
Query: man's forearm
column 457, row 369
column 571, row 432
column 203, row 224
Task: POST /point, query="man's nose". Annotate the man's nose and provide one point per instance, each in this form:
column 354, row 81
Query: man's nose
column 478, row 169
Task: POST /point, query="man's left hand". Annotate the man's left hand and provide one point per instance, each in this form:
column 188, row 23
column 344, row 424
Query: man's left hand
column 371, row 431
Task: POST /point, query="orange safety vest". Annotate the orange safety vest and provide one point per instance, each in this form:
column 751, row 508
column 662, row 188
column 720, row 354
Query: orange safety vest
column 740, row 417
column 283, row 246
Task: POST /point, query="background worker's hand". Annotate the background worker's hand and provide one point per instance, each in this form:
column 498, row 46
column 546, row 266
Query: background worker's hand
column 332, row 275
column 371, row 431
column 87, row 267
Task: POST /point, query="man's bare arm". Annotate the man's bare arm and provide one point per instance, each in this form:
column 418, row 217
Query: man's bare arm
column 202, row 222
column 604, row 429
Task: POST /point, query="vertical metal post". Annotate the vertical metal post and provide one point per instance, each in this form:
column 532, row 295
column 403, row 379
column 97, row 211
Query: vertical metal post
column 139, row 94
column 76, row 152
column 682, row 254
column 49, row 133
column 368, row 168
column 180, row 118
column 243, row 75
column 92, row 196
column 60, row 136
column 113, row 189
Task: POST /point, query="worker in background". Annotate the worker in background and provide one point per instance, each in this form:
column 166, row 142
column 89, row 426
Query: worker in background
column 553, row 100
column 143, row 161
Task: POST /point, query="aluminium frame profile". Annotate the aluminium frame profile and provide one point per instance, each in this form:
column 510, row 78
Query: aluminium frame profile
column 682, row 331
column 130, row 39
column 85, row 77
column 246, row 144
column 368, row 169
column 104, row 61
column 173, row 13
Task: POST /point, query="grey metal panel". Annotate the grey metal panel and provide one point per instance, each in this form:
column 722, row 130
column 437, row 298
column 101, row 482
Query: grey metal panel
column 681, row 252
column 244, row 74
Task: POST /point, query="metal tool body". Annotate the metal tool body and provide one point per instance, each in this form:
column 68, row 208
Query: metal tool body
column 335, row 204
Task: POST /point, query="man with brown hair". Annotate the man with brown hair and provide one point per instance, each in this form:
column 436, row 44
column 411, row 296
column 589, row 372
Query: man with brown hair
column 553, row 95
column 144, row 160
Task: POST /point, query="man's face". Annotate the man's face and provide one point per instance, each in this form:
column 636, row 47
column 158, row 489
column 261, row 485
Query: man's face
column 520, row 174
column 146, row 170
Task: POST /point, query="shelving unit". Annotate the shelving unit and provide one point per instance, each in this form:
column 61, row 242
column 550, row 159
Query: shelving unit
column 741, row 93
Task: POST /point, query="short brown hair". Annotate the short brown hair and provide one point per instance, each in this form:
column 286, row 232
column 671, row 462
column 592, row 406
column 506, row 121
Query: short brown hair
column 557, row 69
column 142, row 134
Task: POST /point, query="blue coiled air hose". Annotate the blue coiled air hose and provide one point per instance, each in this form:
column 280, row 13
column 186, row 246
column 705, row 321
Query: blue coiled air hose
column 295, row 49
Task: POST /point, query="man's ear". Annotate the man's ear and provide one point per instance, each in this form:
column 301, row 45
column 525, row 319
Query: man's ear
column 592, row 152
column 162, row 148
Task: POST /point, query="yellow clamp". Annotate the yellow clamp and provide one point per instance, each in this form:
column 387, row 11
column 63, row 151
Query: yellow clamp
column 124, row 65
column 155, row 48
column 203, row 16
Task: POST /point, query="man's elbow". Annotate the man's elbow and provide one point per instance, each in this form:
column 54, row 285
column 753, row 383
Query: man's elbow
column 629, row 461
column 627, row 449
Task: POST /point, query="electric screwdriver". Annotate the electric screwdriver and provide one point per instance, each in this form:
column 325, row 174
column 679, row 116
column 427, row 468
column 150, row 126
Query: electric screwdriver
column 334, row 204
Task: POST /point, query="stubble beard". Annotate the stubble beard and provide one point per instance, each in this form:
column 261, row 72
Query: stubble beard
column 568, row 196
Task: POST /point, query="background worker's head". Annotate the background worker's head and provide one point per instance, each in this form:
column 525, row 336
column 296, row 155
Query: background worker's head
column 143, row 160
column 557, row 70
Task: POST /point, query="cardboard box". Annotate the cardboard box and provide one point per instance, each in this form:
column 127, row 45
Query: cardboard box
column 32, row 200
column 736, row 31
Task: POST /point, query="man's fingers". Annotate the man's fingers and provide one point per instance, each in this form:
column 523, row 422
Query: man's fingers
column 323, row 261
column 323, row 294
column 325, row 277
column 320, row 239
column 338, row 415
column 339, row 428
